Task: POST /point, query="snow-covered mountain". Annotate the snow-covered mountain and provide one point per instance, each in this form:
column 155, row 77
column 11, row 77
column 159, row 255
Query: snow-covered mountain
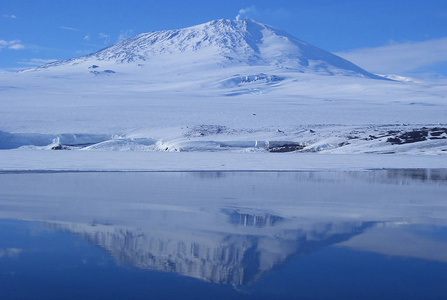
column 239, row 86
column 219, row 44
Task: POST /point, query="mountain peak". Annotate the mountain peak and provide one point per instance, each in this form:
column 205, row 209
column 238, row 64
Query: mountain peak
column 223, row 43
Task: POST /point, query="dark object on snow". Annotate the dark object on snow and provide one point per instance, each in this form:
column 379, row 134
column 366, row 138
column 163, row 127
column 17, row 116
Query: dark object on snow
column 59, row 147
column 419, row 135
column 276, row 147
column 105, row 72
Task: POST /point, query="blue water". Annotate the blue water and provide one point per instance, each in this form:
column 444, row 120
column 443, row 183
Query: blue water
column 309, row 235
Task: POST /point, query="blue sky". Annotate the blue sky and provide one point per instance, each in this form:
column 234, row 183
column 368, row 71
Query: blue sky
column 384, row 36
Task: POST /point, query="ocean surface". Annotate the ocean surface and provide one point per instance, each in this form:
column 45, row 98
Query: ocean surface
column 224, row 235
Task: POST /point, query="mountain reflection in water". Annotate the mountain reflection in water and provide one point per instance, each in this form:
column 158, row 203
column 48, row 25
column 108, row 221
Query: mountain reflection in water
column 224, row 256
column 228, row 228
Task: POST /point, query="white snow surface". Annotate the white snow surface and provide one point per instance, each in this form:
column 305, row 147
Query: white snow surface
column 232, row 86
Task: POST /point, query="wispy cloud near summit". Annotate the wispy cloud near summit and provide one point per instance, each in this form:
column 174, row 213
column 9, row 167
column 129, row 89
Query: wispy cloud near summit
column 252, row 12
column 245, row 13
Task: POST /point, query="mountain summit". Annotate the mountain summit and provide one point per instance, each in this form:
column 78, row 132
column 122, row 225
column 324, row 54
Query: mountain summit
column 221, row 44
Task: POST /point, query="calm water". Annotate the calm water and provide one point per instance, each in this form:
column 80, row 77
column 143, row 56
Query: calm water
column 222, row 235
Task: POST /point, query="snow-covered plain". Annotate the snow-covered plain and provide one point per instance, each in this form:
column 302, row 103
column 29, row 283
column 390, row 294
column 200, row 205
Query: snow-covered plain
column 233, row 86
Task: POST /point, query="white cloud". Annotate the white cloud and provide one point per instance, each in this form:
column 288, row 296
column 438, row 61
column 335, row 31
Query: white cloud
column 36, row 61
column 125, row 34
column 244, row 13
column 69, row 28
column 16, row 47
column 399, row 58
column 104, row 37
column 12, row 45
column 86, row 38
column 252, row 12
column 10, row 16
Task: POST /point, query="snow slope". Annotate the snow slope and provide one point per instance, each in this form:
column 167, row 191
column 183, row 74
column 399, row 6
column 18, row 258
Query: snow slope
column 239, row 86
column 217, row 44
